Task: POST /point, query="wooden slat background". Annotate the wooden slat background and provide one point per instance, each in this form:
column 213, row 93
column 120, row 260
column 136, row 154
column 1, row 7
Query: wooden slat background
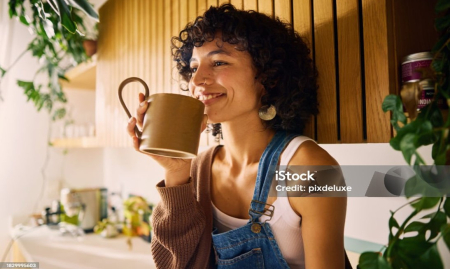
column 350, row 87
column 352, row 43
column 327, row 126
column 376, row 53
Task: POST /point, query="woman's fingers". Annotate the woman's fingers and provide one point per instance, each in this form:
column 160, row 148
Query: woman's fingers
column 130, row 129
column 204, row 122
column 140, row 112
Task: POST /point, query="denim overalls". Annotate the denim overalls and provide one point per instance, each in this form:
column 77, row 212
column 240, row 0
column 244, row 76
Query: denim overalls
column 253, row 245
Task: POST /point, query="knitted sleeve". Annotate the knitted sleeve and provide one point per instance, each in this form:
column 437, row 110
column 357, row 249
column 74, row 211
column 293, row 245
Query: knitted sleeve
column 178, row 224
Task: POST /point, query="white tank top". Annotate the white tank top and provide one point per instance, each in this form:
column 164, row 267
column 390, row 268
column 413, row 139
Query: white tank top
column 285, row 223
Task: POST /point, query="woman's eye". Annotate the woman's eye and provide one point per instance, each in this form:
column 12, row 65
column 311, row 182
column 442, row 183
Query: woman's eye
column 193, row 69
column 217, row 63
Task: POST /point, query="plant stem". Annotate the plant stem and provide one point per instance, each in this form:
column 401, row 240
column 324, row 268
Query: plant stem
column 399, row 232
column 408, row 203
column 15, row 61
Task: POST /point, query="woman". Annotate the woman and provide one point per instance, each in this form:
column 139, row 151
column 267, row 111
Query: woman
column 256, row 78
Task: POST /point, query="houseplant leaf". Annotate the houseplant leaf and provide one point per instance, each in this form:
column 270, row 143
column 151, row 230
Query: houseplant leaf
column 393, row 103
column 407, row 146
column 84, row 6
column 442, row 5
column 445, row 230
column 426, row 203
column 430, row 259
column 65, row 16
column 442, row 23
column 2, row 72
column 373, row 260
column 447, row 206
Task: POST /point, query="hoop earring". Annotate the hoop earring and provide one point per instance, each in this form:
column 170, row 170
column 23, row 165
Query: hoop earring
column 267, row 112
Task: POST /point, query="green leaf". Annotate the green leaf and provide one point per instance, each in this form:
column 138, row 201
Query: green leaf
column 426, row 203
column 424, row 135
column 440, row 43
column 435, row 224
column 2, row 72
column 414, row 226
column 373, row 260
column 59, row 114
column 48, row 28
column 442, row 5
column 430, row 259
column 84, row 6
column 410, row 128
column 394, row 103
column 447, row 206
column 407, row 147
column 24, row 20
column 442, row 23
column 445, row 230
column 66, row 17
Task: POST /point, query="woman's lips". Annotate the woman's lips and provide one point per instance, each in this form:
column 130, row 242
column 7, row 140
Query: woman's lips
column 208, row 99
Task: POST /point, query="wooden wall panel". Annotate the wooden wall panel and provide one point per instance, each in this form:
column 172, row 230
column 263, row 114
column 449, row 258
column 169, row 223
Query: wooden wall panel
column 377, row 51
column 175, row 16
column 201, row 6
column 251, row 5
column 327, row 128
column 167, row 35
column 192, row 10
column 237, row 3
column 350, row 87
column 137, row 39
column 159, row 45
column 153, row 47
column 266, row 6
column 283, row 10
column 302, row 22
column 211, row 3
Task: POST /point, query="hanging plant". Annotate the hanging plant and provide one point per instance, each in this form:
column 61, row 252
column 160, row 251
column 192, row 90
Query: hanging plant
column 58, row 28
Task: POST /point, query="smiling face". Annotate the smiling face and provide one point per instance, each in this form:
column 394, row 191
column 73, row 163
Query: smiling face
column 223, row 78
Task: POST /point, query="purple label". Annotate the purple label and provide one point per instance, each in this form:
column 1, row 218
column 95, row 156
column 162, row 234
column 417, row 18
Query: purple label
column 426, row 98
column 409, row 72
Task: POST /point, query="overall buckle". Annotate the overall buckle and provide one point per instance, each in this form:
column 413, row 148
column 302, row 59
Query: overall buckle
column 268, row 210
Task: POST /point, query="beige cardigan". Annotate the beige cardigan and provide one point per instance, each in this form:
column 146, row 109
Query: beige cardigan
column 182, row 221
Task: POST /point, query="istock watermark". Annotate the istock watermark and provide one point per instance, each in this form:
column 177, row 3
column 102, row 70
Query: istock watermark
column 283, row 175
column 361, row 181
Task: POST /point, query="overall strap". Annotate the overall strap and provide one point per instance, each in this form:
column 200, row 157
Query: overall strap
column 266, row 171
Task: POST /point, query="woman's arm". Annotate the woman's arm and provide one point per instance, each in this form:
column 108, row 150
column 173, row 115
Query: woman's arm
column 178, row 225
column 323, row 218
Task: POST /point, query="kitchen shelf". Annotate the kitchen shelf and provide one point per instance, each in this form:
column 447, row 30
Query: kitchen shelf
column 81, row 142
column 82, row 76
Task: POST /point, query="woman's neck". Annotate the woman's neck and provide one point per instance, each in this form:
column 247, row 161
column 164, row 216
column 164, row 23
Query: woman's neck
column 244, row 142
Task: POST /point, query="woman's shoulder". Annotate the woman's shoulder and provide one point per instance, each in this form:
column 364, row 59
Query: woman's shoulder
column 310, row 153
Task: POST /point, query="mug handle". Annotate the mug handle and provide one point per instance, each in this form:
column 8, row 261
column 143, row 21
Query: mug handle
column 147, row 92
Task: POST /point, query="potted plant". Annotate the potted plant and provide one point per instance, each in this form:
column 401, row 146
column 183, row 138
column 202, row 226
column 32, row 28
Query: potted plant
column 413, row 243
column 58, row 27
column 136, row 213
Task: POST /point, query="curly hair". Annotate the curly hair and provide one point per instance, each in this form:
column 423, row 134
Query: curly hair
column 278, row 53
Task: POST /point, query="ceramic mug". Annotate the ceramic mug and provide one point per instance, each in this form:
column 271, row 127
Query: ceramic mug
column 172, row 123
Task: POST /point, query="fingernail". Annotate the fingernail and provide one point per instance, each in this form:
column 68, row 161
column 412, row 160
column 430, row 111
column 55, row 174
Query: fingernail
column 143, row 103
column 131, row 119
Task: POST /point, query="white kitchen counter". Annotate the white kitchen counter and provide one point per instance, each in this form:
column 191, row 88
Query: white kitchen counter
column 54, row 251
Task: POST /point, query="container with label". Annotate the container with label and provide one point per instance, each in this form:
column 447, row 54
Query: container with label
column 427, row 93
column 412, row 63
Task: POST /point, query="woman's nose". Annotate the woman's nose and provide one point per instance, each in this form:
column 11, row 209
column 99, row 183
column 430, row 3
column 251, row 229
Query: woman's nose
column 200, row 76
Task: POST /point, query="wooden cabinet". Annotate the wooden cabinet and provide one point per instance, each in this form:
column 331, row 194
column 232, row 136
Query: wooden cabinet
column 357, row 46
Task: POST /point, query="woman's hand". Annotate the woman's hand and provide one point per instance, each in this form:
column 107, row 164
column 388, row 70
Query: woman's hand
column 177, row 170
